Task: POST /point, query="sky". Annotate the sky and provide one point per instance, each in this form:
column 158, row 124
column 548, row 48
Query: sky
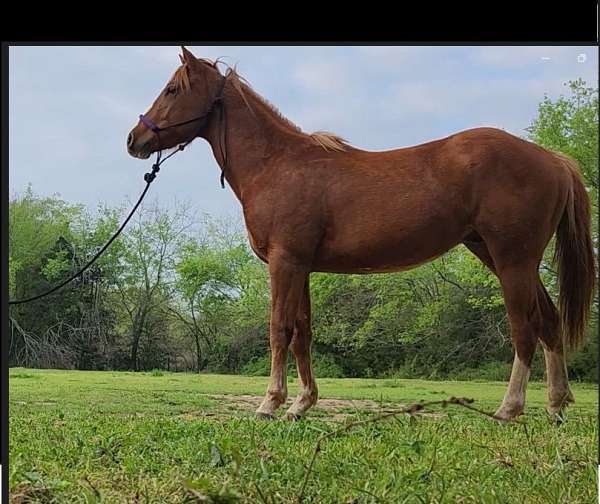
column 71, row 108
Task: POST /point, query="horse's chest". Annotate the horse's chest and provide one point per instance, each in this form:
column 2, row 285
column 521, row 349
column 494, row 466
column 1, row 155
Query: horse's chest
column 258, row 235
column 259, row 246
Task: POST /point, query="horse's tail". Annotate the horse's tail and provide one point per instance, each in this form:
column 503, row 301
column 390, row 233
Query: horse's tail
column 574, row 255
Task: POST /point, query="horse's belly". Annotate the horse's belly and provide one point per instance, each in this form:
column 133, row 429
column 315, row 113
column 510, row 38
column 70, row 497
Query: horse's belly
column 386, row 250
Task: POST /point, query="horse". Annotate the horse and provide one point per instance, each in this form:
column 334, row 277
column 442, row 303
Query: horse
column 315, row 203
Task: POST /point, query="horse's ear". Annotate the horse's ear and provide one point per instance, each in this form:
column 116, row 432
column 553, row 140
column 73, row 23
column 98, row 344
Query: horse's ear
column 187, row 57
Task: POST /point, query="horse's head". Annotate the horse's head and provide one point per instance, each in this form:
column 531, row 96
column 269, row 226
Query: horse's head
column 180, row 110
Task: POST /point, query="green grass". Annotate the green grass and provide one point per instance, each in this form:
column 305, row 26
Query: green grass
column 80, row 436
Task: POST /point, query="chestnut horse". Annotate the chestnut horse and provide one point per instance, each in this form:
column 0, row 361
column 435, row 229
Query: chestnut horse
column 312, row 202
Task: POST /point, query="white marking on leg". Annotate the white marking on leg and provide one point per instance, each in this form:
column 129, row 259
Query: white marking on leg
column 559, row 391
column 277, row 391
column 308, row 394
column 307, row 397
column 514, row 399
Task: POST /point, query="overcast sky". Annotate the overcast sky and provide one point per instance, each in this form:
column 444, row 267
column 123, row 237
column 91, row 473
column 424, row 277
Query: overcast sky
column 72, row 107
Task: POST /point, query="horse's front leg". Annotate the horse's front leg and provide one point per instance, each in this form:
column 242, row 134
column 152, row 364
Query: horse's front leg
column 301, row 342
column 287, row 288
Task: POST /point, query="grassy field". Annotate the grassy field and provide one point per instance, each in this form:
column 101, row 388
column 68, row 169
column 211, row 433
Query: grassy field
column 160, row 437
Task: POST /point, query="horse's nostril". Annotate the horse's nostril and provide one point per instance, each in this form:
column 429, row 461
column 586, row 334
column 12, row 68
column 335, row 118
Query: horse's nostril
column 129, row 140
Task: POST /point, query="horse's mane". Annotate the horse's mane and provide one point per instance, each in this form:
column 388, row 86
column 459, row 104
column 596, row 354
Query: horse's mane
column 324, row 139
column 181, row 79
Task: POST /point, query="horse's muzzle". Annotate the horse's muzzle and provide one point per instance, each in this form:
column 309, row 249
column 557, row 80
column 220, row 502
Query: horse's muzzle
column 139, row 144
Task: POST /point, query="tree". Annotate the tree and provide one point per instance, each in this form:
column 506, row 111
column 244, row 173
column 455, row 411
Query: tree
column 49, row 241
column 145, row 285
column 215, row 281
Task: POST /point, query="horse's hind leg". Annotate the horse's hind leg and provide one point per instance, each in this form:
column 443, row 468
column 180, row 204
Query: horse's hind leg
column 475, row 244
column 519, row 286
column 559, row 392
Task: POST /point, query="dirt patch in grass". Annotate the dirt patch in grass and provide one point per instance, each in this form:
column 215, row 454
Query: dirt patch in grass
column 26, row 494
column 326, row 409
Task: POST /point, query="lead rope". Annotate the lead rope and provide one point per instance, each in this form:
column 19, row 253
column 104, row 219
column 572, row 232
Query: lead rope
column 223, row 137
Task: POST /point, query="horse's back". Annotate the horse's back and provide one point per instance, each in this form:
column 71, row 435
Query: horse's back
column 410, row 205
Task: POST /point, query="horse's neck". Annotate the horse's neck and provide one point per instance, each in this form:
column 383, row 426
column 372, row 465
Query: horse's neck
column 254, row 131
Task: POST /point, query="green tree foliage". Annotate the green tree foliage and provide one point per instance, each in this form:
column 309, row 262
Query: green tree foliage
column 47, row 243
column 224, row 291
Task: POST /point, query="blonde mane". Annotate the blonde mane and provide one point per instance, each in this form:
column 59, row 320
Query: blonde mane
column 324, row 139
column 181, row 79
column 329, row 141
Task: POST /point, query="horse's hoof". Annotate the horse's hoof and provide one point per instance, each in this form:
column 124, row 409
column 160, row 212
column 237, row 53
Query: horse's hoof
column 557, row 417
column 292, row 417
column 261, row 415
column 507, row 414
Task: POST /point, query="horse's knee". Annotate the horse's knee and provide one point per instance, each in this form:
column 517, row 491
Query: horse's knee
column 301, row 338
column 281, row 335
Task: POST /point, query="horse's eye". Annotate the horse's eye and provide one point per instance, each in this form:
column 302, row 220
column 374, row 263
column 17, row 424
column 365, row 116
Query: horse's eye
column 171, row 89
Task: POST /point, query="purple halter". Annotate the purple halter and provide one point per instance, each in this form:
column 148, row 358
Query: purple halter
column 149, row 123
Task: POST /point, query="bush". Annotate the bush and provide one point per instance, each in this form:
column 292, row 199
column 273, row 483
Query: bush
column 490, row 371
column 325, row 366
column 583, row 365
column 259, row 366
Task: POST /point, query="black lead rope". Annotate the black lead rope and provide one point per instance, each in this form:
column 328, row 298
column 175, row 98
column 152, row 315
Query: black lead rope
column 222, row 138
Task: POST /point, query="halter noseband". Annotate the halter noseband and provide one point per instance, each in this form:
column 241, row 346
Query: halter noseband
column 146, row 121
column 217, row 101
